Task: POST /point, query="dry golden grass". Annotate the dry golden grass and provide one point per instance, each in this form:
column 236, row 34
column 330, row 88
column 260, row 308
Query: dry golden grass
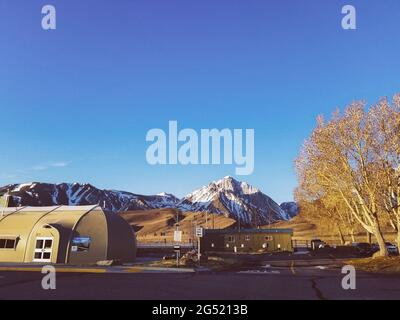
column 305, row 230
column 158, row 225
column 379, row 264
column 302, row 229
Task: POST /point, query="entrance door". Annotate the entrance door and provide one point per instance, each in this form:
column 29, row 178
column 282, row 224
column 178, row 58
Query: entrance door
column 43, row 249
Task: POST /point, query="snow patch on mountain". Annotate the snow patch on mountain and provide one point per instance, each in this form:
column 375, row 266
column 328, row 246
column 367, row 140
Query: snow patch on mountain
column 234, row 199
column 74, row 194
column 290, row 208
column 227, row 196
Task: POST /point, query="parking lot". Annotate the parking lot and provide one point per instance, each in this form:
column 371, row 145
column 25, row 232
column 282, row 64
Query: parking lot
column 300, row 275
column 318, row 281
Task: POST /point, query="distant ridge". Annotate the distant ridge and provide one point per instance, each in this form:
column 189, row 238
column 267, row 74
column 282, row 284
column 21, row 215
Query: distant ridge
column 228, row 197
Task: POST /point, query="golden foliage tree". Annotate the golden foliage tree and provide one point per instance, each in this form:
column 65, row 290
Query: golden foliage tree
column 352, row 162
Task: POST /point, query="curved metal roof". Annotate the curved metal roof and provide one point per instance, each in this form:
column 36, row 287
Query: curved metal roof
column 22, row 220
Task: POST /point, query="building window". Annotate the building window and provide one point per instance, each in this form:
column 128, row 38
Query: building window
column 39, row 244
column 46, row 255
column 9, row 244
column 269, row 238
column 231, row 239
column 43, row 249
column 80, row 244
column 48, row 244
column 247, row 238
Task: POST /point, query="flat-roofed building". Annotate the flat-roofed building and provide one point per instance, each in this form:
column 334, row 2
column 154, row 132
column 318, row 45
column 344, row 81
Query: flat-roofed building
column 247, row 240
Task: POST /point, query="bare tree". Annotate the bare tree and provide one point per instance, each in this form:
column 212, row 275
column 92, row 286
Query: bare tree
column 340, row 159
column 385, row 119
column 328, row 211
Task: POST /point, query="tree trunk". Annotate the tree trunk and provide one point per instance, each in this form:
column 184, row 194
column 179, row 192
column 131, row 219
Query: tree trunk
column 381, row 242
column 398, row 241
column 341, row 237
column 369, row 237
column 353, row 238
column 398, row 234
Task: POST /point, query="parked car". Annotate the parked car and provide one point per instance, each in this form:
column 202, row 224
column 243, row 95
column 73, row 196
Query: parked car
column 363, row 248
column 392, row 249
column 317, row 244
column 374, row 247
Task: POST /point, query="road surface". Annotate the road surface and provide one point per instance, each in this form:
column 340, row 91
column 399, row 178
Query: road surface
column 313, row 282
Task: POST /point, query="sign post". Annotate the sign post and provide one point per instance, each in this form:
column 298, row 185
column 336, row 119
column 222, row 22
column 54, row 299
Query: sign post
column 199, row 234
column 177, row 250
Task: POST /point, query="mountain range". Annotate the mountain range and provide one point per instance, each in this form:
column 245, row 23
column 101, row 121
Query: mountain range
column 228, row 197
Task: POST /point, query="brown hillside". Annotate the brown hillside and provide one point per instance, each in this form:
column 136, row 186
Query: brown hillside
column 158, row 225
column 306, row 230
column 302, row 229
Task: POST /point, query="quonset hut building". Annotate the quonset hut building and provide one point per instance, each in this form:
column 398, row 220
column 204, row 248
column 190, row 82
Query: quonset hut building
column 65, row 235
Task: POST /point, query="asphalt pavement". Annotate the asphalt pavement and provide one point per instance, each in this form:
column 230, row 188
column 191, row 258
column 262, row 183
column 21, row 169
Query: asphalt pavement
column 315, row 282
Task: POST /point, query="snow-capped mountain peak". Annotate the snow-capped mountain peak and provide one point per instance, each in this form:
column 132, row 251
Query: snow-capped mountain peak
column 229, row 183
column 235, row 199
column 45, row 194
column 227, row 196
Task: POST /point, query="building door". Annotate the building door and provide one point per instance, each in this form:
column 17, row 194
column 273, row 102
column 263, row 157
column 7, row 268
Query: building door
column 43, row 249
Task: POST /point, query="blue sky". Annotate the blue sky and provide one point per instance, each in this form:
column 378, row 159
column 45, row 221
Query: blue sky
column 76, row 103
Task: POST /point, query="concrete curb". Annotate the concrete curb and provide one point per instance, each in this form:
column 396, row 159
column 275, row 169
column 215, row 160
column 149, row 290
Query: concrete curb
column 114, row 270
column 203, row 270
column 161, row 269
column 62, row 269
column 304, row 263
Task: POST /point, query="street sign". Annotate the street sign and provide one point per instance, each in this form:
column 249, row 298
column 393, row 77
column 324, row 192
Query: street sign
column 178, row 236
column 177, row 248
column 199, row 232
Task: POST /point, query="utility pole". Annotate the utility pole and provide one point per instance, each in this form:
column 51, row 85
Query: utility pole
column 199, row 234
column 177, row 220
column 198, row 249
column 190, row 239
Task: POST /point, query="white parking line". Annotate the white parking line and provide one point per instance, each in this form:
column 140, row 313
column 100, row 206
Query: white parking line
column 292, row 268
column 259, row 272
